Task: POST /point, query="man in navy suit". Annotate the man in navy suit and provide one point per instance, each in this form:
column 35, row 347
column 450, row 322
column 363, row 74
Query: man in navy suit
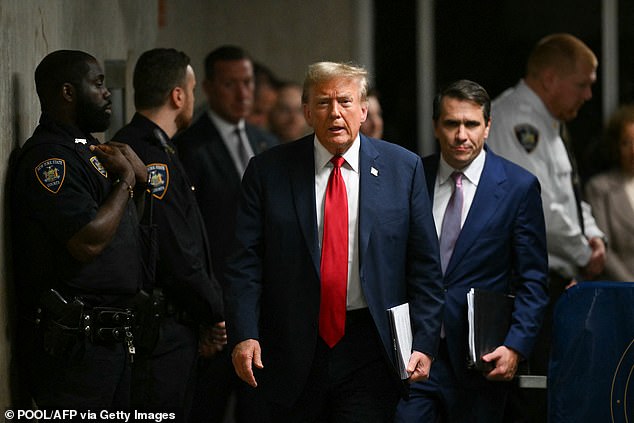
column 275, row 286
column 501, row 247
column 214, row 157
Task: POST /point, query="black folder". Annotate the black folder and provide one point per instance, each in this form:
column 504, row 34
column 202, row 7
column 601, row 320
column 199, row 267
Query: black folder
column 401, row 336
column 489, row 319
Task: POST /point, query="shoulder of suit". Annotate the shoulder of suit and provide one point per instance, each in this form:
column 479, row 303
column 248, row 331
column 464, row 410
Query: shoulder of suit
column 264, row 138
column 201, row 132
column 512, row 169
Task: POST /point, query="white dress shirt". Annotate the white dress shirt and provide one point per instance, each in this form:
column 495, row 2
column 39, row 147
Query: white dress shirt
column 229, row 137
column 444, row 186
column 350, row 175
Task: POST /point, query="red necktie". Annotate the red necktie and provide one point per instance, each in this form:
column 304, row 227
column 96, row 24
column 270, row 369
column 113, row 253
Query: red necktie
column 334, row 258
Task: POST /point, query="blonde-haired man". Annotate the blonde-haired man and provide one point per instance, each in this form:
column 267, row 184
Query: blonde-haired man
column 333, row 229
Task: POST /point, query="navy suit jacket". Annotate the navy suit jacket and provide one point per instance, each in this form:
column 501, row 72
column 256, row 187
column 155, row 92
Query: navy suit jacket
column 211, row 170
column 272, row 290
column 501, row 247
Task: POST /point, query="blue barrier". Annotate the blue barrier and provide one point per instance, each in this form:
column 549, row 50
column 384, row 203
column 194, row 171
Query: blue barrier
column 591, row 375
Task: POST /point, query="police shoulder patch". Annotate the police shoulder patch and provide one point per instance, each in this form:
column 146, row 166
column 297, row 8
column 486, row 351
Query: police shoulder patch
column 97, row 165
column 51, row 173
column 527, row 135
column 159, row 179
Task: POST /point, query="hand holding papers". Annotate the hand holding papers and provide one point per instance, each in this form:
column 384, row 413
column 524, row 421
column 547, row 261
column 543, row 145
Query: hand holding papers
column 402, row 336
column 489, row 315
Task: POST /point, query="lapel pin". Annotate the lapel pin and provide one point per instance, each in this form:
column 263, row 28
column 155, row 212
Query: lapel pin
column 80, row 141
column 374, row 171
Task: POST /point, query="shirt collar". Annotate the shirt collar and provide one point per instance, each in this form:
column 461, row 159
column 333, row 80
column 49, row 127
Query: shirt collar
column 534, row 100
column 472, row 172
column 323, row 156
column 226, row 129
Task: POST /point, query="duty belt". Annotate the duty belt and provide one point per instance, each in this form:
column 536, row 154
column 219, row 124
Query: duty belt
column 101, row 325
column 109, row 325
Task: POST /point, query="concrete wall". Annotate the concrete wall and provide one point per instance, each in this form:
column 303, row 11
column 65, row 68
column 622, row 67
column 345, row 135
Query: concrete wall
column 286, row 35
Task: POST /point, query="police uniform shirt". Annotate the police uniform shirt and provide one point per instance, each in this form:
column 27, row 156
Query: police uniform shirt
column 524, row 132
column 184, row 268
column 58, row 187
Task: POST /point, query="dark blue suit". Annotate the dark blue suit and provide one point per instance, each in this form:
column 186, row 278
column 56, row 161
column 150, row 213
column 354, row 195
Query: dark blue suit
column 273, row 282
column 501, row 247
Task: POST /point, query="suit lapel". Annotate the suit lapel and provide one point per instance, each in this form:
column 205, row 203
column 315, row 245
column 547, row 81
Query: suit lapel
column 257, row 144
column 302, row 177
column 491, row 189
column 219, row 152
column 369, row 185
column 430, row 166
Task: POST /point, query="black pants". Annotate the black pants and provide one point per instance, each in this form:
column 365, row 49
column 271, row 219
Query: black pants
column 445, row 398
column 163, row 382
column 352, row 382
column 90, row 376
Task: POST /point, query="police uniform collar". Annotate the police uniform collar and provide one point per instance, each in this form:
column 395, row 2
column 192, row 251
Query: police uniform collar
column 147, row 125
column 67, row 132
column 536, row 102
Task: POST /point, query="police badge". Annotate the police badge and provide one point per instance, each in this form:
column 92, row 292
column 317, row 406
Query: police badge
column 51, row 173
column 159, row 178
column 528, row 136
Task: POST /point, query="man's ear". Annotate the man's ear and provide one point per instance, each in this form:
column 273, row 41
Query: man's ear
column 178, row 97
column 68, row 92
column 307, row 114
column 549, row 78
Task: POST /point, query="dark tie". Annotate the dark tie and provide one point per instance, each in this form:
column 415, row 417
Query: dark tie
column 451, row 221
column 576, row 183
column 242, row 149
column 334, row 258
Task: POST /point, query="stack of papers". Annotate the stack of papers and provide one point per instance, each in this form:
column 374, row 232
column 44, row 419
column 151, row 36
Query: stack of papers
column 401, row 336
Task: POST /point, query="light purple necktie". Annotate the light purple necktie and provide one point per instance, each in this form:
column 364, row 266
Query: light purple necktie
column 451, row 221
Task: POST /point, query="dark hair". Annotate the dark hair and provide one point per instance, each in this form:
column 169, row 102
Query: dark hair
column 58, row 68
column 221, row 54
column 156, row 74
column 464, row 89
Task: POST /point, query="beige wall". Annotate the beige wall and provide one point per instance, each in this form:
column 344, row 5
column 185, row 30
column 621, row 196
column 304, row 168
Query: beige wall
column 286, row 35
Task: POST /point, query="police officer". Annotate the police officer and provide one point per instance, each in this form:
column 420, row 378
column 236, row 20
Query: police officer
column 76, row 247
column 164, row 99
column 529, row 130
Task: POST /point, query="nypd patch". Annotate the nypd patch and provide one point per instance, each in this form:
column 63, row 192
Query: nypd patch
column 97, row 165
column 528, row 136
column 51, row 174
column 159, row 179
